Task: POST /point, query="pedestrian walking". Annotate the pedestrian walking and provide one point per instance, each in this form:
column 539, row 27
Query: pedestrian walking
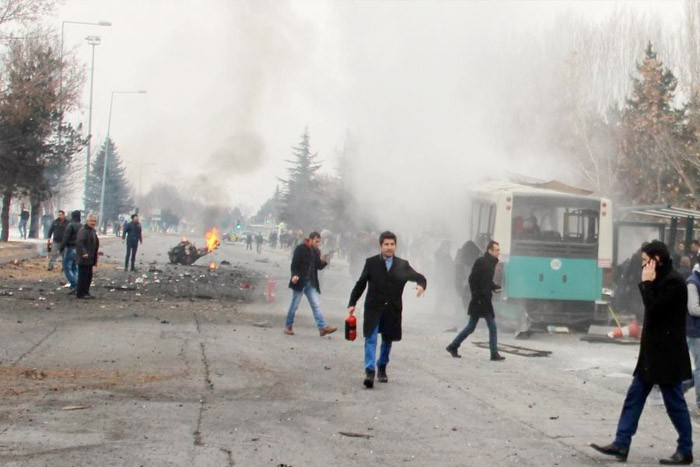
column 663, row 357
column 306, row 263
column 692, row 331
column 23, row 218
column 386, row 275
column 482, row 287
column 87, row 247
column 55, row 238
column 132, row 236
column 68, row 250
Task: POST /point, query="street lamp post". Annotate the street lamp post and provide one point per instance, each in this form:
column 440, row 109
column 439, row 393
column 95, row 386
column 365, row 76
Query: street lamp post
column 60, row 79
column 93, row 41
column 104, row 168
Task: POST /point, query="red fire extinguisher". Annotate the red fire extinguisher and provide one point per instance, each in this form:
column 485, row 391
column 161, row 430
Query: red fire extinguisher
column 350, row 327
column 271, row 285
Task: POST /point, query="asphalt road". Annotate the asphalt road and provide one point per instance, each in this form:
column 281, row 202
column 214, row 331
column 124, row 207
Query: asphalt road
column 135, row 378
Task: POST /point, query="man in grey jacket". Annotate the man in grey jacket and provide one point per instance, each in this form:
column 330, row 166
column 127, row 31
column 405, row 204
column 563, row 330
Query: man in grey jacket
column 87, row 247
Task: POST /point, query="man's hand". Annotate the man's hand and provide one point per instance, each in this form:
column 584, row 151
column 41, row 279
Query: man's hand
column 649, row 271
column 351, row 310
column 295, row 279
column 419, row 291
column 324, row 258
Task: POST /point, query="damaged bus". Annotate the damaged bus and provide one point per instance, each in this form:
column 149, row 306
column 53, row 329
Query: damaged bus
column 556, row 252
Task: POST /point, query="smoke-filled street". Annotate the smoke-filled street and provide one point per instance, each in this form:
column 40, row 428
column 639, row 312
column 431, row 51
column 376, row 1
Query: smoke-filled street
column 144, row 375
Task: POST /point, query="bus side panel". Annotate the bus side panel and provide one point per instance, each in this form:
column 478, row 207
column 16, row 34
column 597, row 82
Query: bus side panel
column 553, row 278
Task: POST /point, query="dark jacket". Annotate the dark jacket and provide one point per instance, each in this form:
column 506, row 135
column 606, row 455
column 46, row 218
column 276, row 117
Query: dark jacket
column 383, row 303
column 57, row 228
column 305, row 263
column 132, row 233
column 663, row 352
column 70, row 235
column 87, row 244
column 692, row 323
column 481, row 286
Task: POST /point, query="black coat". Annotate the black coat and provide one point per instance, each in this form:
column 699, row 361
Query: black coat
column 481, row 286
column 305, row 263
column 57, row 228
column 663, row 353
column 87, row 243
column 383, row 303
column 132, row 233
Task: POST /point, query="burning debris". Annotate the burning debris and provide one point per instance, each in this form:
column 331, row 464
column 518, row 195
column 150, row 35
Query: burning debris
column 187, row 253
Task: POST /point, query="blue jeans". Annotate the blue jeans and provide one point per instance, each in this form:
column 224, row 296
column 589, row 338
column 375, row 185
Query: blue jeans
column 676, row 409
column 314, row 300
column 694, row 347
column 371, row 350
column 469, row 328
column 70, row 269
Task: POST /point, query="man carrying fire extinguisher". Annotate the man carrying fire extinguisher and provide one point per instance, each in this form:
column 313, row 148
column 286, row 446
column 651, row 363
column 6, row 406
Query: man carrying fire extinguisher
column 386, row 275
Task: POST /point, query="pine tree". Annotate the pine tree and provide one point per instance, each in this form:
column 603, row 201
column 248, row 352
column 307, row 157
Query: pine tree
column 652, row 157
column 301, row 202
column 117, row 191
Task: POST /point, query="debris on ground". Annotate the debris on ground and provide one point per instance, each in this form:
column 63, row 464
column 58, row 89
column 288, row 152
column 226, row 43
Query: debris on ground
column 516, row 350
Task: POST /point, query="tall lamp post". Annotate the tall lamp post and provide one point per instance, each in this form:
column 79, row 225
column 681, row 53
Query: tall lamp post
column 104, row 168
column 60, row 75
column 60, row 78
column 93, row 41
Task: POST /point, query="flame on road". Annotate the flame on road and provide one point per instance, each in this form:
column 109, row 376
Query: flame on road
column 212, row 238
column 213, row 266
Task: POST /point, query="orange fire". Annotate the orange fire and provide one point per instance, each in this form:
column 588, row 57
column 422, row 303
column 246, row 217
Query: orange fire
column 212, row 238
column 183, row 239
column 213, row 266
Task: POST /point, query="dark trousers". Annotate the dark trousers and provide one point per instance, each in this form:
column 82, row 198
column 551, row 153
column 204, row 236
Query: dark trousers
column 676, row 409
column 84, row 280
column 130, row 251
column 471, row 326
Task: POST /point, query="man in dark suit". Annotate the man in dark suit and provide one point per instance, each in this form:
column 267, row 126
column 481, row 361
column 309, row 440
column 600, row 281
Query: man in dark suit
column 663, row 356
column 87, row 246
column 306, row 263
column 132, row 235
column 481, row 287
column 386, row 275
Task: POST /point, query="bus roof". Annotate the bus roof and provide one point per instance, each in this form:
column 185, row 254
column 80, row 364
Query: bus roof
column 552, row 188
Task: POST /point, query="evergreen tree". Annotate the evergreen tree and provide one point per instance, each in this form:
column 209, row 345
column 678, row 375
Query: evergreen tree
column 301, row 201
column 652, row 157
column 117, row 191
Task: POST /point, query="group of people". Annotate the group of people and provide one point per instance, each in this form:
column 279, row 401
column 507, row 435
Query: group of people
column 670, row 303
column 77, row 245
column 384, row 276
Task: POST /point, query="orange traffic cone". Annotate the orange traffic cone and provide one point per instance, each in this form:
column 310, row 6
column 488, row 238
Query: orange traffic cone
column 631, row 330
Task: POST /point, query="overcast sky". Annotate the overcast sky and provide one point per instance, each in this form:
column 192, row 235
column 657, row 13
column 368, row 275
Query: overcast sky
column 231, row 85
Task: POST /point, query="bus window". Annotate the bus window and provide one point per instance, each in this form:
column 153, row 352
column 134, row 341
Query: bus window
column 483, row 222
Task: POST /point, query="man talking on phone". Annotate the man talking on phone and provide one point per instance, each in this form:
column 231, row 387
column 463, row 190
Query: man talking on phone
column 663, row 357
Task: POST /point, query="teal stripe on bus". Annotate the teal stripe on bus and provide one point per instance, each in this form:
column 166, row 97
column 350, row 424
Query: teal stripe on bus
column 553, row 278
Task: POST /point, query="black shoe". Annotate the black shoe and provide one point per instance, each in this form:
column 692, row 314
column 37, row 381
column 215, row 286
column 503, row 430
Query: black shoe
column 453, row 351
column 612, row 450
column 86, row 297
column 497, row 357
column 678, row 459
column 381, row 374
column 369, row 379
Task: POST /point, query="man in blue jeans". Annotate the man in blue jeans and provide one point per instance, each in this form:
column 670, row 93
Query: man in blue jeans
column 663, row 357
column 306, row 263
column 68, row 249
column 482, row 287
column 386, row 275
column 692, row 331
